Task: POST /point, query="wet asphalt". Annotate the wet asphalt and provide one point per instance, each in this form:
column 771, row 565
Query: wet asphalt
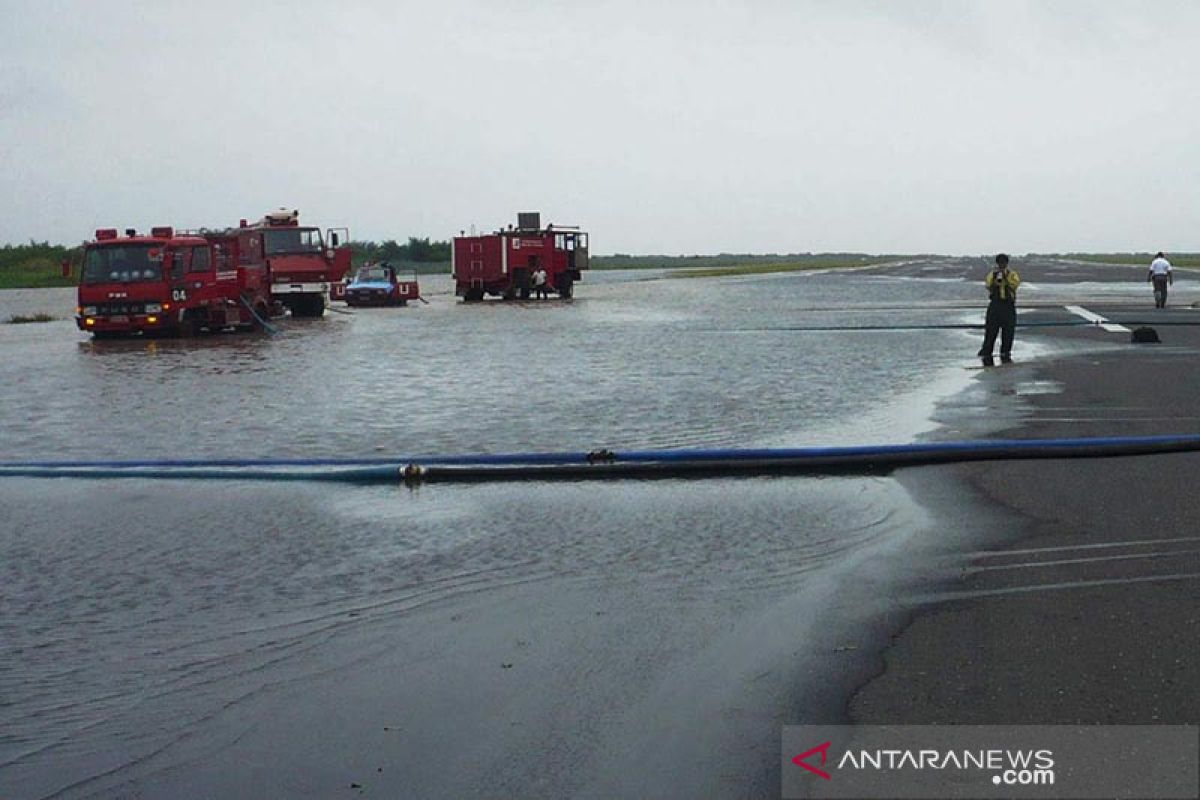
column 1083, row 604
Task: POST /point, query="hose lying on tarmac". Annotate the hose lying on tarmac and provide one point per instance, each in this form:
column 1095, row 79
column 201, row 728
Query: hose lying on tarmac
column 266, row 326
column 609, row 465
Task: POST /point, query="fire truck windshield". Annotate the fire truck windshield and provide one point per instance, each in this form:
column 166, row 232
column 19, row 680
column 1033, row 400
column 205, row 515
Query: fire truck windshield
column 287, row 241
column 123, row 264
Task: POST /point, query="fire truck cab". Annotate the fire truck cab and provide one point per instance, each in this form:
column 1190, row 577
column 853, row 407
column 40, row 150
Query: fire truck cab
column 503, row 263
column 167, row 283
column 307, row 271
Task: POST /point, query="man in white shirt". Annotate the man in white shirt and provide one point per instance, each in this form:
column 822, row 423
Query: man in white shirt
column 1160, row 275
column 539, row 283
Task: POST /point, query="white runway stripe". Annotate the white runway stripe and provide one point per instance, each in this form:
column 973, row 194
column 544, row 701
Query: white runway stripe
column 1091, row 316
column 1050, row 587
column 1067, row 561
column 1100, row 546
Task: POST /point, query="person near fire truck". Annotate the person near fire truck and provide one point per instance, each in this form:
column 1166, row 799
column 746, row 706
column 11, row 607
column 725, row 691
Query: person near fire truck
column 539, row 283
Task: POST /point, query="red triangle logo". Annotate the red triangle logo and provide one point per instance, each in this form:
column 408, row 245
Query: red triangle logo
column 823, row 749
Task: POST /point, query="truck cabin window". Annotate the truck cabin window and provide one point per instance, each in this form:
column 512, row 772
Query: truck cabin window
column 178, row 265
column 200, row 260
column 123, row 264
column 290, row 241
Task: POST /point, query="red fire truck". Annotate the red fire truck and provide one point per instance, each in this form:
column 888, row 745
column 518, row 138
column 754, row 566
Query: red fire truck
column 168, row 283
column 503, row 263
column 306, row 271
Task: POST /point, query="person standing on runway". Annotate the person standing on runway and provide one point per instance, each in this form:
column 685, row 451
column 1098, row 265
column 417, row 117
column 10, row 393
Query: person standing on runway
column 1001, row 284
column 1160, row 274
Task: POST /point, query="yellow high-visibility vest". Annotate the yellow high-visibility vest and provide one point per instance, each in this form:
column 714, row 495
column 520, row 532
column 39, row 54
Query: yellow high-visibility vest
column 1007, row 289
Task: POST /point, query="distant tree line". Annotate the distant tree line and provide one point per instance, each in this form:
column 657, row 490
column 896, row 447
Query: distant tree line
column 18, row 255
column 37, row 264
column 626, row 261
column 414, row 251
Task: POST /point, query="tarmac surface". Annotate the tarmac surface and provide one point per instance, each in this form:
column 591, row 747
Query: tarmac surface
column 1085, row 606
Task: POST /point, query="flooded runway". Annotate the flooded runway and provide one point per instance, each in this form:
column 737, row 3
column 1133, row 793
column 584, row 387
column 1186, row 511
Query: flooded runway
column 525, row 638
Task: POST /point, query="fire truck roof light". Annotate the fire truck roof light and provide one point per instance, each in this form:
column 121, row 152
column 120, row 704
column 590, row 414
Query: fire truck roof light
column 162, row 231
column 131, row 232
column 103, row 234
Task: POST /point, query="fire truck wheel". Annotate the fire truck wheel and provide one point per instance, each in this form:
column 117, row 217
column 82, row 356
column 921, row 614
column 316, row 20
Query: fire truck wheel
column 308, row 306
column 473, row 295
column 190, row 324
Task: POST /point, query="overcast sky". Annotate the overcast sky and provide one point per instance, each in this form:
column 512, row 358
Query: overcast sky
column 660, row 127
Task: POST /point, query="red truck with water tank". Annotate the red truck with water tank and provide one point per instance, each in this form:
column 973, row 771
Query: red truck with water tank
column 503, row 263
column 169, row 283
column 306, row 270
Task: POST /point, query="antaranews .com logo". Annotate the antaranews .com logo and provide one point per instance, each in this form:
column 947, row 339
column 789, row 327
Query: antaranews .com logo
column 1008, row 767
column 987, row 761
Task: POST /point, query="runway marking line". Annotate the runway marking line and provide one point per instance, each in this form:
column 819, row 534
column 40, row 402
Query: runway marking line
column 1047, row 587
column 1070, row 561
column 1092, row 316
column 1093, row 546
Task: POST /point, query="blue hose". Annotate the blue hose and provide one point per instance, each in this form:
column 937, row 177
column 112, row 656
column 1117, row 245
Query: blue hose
column 266, row 326
column 195, row 463
column 608, row 464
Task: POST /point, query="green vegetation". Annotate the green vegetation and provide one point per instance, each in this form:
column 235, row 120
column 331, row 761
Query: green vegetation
column 761, row 269
column 420, row 255
column 1140, row 259
column 739, row 261
column 21, row 319
column 37, row 265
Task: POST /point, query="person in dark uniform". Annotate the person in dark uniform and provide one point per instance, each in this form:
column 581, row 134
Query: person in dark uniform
column 1001, row 284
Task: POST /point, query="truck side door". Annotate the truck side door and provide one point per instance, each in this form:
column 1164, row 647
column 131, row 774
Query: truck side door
column 577, row 251
column 177, row 261
column 201, row 270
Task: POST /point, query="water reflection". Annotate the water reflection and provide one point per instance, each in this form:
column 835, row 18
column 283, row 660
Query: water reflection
column 630, row 364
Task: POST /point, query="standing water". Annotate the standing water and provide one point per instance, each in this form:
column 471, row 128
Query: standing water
column 529, row 638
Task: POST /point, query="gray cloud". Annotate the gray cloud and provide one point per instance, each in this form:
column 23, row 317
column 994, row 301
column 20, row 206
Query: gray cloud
column 660, row 126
